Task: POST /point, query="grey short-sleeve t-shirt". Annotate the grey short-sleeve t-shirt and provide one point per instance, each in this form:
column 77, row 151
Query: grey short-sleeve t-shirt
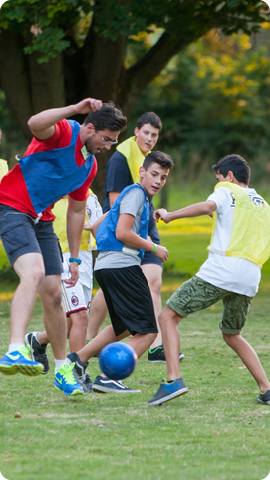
column 133, row 204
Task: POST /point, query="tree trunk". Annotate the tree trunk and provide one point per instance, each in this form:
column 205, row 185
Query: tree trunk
column 14, row 79
column 103, row 65
column 47, row 83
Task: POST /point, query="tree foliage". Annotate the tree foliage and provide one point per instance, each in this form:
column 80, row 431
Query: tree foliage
column 55, row 52
column 222, row 106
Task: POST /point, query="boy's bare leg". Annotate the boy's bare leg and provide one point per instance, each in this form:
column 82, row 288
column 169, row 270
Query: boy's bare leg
column 105, row 337
column 153, row 274
column 141, row 342
column 97, row 314
column 249, row 357
column 78, row 330
column 43, row 337
column 168, row 321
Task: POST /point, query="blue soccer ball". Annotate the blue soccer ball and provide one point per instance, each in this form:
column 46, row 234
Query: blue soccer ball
column 117, row 360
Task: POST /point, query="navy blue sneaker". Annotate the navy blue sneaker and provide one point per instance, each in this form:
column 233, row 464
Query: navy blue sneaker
column 20, row 362
column 107, row 385
column 264, row 398
column 168, row 391
column 157, row 355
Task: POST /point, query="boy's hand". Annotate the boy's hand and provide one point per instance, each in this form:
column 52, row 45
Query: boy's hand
column 87, row 226
column 74, row 272
column 162, row 253
column 161, row 214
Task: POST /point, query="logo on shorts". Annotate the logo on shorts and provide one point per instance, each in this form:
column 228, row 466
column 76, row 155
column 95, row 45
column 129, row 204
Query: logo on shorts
column 74, row 300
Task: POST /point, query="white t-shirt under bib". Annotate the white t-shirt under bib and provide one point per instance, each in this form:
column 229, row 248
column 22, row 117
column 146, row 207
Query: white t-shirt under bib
column 230, row 273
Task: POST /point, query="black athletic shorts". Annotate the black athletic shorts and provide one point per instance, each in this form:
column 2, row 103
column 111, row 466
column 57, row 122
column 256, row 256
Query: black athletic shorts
column 128, row 299
column 20, row 235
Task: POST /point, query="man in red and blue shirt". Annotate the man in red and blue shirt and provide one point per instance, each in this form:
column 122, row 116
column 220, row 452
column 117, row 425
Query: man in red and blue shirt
column 59, row 161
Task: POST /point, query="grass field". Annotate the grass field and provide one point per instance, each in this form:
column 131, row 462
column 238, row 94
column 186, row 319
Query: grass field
column 217, row 431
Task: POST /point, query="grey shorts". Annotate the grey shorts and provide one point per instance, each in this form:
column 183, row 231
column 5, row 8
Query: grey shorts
column 20, row 235
column 196, row 294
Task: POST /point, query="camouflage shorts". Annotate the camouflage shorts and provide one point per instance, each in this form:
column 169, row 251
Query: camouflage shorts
column 196, row 294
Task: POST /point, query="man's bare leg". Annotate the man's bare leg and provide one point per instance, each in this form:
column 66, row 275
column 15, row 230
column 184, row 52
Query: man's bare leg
column 30, row 270
column 54, row 315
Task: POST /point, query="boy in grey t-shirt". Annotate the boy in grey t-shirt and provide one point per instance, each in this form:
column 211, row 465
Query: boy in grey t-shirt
column 122, row 238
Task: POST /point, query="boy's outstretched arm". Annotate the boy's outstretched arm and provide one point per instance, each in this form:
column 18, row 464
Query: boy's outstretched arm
column 125, row 234
column 195, row 210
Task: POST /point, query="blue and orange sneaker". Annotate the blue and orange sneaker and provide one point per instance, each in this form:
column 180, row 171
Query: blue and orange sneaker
column 168, row 391
column 65, row 380
column 20, row 362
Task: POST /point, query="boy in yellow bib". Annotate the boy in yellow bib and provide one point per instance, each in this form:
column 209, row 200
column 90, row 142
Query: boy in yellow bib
column 240, row 244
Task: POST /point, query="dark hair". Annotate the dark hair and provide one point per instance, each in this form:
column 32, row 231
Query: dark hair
column 161, row 158
column 235, row 164
column 149, row 117
column 109, row 116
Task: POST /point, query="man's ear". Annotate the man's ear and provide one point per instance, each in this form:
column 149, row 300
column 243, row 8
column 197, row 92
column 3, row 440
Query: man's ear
column 136, row 131
column 90, row 128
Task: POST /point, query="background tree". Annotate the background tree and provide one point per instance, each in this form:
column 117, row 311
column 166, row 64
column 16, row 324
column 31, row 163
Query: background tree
column 55, row 52
column 222, row 106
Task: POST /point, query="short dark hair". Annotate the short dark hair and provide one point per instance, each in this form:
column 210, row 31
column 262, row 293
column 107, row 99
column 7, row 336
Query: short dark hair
column 235, row 164
column 109, row 116
column 161, row 158
column 149, row 117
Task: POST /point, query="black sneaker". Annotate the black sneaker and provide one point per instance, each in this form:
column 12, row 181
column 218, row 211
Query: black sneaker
column 87, row 384
column 79, row 371
column 264, row 398
column 107, row 385
column 168, row 391
column 37, row 350
column 156, row 355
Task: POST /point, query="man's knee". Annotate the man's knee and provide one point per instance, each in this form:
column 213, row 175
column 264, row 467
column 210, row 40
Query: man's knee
column 51, row 292
column 36, row 276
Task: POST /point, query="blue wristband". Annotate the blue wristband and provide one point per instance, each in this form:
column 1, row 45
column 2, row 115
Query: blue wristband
column 75, row 260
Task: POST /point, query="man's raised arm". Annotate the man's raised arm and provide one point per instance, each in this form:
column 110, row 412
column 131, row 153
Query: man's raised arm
column 42, row 124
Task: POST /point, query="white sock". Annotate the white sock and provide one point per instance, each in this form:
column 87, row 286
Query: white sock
column 59, row 363
column 15, row 346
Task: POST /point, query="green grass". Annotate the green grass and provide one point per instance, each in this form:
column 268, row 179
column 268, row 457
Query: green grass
column 217, row 431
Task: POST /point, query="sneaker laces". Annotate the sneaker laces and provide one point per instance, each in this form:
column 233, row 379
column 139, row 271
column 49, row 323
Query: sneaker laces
column 67, row 371
column 25, row 352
